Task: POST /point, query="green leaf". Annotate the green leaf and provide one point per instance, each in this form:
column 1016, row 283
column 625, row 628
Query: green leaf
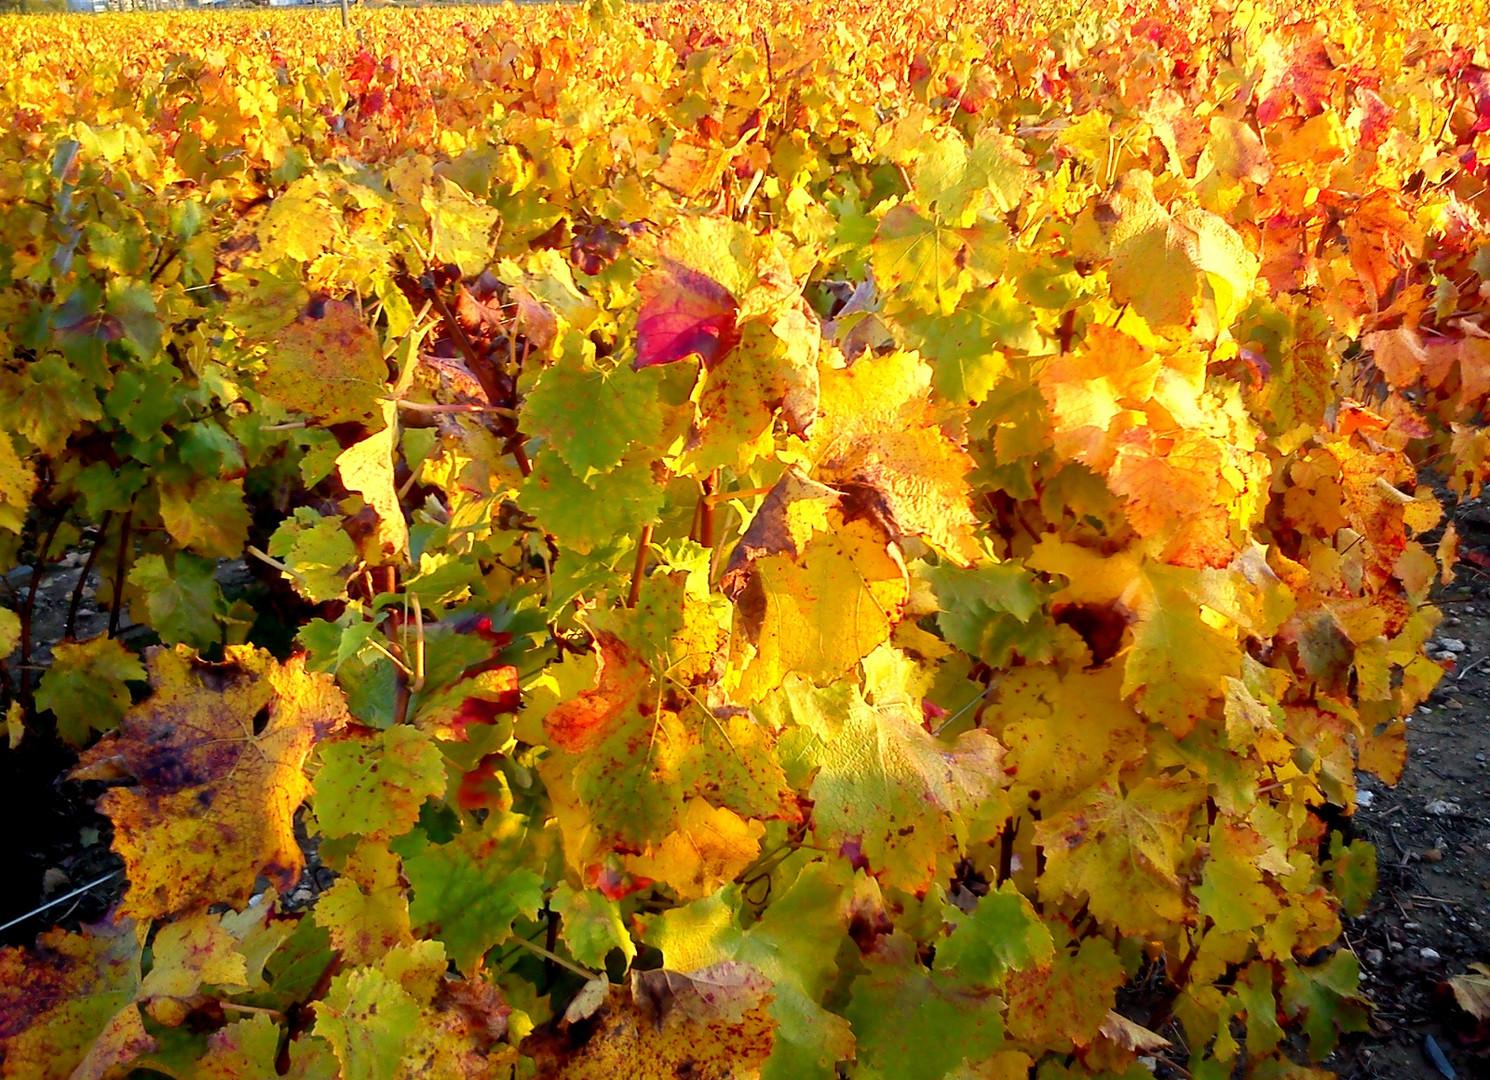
column 1002, row 934
column 84, row 688
column 993, row 612
column 1324, row 997
column 208, row 516
column 368, row 1019
column 181, row 600
column 375, row 785
column 443, row 578
column 590, row 925
column 130, row 301
column 592, row 417
column 467, row 892
column 911, row 1024
column 1254, row 989
column 1352, row 869
column 319, row 551
column 583, row 518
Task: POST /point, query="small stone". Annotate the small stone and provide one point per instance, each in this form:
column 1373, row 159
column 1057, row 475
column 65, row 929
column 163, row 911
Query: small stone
column 1433, row 855
column 1374, row 957
column 1364, row 799
column 1442, row 807
column 300, row 897
column 1451, row 621
column 1430, row 955
column 1410, row 925
column 1394, row 946
column 1452, row 645
column 1480, row 758
column 54, row 880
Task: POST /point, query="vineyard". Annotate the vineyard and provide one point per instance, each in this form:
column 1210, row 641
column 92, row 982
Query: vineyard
column 716, row 541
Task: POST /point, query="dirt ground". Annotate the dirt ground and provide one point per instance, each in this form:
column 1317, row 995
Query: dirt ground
column 1429, row 920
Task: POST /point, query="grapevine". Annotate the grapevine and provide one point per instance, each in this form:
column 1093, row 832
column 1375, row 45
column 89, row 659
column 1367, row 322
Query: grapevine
column 790, row 540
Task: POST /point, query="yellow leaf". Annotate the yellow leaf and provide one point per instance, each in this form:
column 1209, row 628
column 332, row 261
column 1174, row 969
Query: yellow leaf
column 633, row 1041
column 189, row 953
column 331, row 368
column 215, row 800
column 876, row 431
column 824, row 613
column 366, row 467
column 1178, row 657
column 367, row 911
column 710, row 846
column 17, row 481
column 1122, row 849
column 1064, row 734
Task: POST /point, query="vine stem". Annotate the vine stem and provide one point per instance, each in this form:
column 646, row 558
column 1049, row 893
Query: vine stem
column 706, row 512
column 643, row 546
column 77, row 590
column 1165, row 1008
column 418, row 683
column 120, row 565
column 742, row 493
column 29, row 611
column 256, row 1010
column 553, row 957
column 265, row 557
column 79, row 891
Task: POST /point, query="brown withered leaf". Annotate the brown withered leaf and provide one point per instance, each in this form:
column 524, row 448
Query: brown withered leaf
column 723, row 991
column 788, row 516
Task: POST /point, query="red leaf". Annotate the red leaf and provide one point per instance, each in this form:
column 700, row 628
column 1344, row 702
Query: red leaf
column 684, row 313
column 362, row 69
column 484, row 787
